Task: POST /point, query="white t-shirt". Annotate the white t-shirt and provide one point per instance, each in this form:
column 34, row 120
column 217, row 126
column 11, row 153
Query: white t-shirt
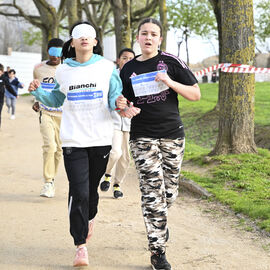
column 86, row 119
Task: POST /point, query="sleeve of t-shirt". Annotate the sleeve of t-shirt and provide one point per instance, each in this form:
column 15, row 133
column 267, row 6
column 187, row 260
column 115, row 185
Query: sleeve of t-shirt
column 53, row 99
column 115, row 88
column 20, row 85
column 127, row 89
column 183, row 74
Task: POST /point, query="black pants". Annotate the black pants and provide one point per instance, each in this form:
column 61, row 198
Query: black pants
column 84, row 168
column 1, row 106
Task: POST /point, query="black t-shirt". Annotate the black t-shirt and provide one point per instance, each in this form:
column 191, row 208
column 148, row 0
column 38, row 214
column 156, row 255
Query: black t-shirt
column 159, row 116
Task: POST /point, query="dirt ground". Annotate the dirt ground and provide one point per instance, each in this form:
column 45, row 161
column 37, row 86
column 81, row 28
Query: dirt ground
column 34, row 231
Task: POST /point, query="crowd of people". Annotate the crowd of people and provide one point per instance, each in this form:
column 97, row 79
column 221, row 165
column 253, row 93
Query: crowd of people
column 97, row 117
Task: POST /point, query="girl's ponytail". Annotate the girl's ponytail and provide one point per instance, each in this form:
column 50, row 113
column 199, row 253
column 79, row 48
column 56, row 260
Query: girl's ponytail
column 67, row 50
column 97, row 49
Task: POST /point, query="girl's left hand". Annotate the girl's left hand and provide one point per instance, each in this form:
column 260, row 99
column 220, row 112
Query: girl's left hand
column 121, row 102
column 129, row 112
column 163, row 77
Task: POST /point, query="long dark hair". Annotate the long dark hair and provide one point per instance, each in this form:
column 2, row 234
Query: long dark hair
column 69, row 52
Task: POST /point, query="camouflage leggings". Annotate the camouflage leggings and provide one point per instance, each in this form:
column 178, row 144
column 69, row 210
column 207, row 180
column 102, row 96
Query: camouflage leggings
column 158, row 163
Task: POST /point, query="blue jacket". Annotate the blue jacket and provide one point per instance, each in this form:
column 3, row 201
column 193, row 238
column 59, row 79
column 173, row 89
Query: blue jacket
column 4, row 83
column 15, row 84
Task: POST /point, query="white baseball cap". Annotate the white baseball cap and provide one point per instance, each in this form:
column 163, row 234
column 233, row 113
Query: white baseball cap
column 83, row 30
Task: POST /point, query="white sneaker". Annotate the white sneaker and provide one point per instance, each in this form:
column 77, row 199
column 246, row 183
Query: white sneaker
column 48, row 190
column 81, row 257
column 12, row 117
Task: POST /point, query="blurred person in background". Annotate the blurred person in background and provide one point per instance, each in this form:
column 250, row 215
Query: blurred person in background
column 4, row 83
column 119, row 155
column 49, row 117
column 10, row 98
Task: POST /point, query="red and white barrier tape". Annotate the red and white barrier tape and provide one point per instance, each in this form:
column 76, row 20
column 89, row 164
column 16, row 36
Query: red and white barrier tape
column 232, row 68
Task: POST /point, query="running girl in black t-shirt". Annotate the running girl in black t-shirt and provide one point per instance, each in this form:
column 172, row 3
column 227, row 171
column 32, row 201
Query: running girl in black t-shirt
column 152, row 82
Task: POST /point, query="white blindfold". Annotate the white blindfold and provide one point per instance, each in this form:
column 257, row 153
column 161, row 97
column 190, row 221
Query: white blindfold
column 83, row 30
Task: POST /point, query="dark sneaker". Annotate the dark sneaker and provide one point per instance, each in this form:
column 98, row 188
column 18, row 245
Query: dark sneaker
column 159, row 262
column 117, row 193
column 105, row 185
column 167, row 235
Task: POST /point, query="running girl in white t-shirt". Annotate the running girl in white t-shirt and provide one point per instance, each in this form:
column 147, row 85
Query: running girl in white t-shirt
column 88, row 86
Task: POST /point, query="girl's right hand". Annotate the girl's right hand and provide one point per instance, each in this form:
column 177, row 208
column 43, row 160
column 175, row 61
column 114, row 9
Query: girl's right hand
column 33, row 85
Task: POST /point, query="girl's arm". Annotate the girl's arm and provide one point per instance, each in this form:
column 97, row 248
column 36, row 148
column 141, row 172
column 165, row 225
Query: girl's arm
column 53, row 99
column 20, row 85
column 117, row 100
column 115, row 92
column 189, row 92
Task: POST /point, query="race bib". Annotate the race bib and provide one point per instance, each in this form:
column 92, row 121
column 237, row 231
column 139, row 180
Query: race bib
column 145, row 84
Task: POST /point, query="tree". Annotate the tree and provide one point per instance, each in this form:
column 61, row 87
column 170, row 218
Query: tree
column 216, row 5
column 74, row 13
column 192, row 17
column 236, row 90
column 32, row 36
column 127, row 14
column 48, row 20
column 164, row 22
column 98, row 12
column 263, row 21
column 122, row 23
column 11, row 35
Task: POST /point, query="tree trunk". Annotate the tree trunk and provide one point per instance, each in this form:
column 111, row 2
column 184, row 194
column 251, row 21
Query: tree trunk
column 236, row 92
column 121, row 13
column 49, row 24
column 186, row 40
column 217, row 10
column 72, row 11
column 47, row 34
column 164, row 22
column 98, row 14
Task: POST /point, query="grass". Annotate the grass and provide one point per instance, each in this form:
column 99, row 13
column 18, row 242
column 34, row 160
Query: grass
column 262, row 102
column 239, row 181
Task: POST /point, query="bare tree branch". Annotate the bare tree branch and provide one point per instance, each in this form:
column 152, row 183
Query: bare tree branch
column 35, row 20
column 104, row 16
column 148, row 10
column 94, row 2
column 61, row 10
column 42, row 3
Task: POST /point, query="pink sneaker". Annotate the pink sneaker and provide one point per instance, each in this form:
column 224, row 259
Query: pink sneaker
column 81, row 257
column 90, row 230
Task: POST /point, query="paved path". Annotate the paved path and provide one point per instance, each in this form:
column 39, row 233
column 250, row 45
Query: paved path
column 34, row 230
